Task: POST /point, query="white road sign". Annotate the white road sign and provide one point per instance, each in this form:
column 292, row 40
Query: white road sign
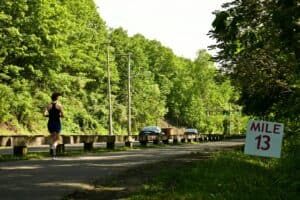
column 264, row 138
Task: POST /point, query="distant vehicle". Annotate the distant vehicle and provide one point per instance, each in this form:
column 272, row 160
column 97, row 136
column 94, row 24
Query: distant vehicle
column 151, row 130
column 191, row 131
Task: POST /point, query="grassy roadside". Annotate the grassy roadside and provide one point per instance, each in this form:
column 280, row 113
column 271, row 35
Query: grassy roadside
column 42, row 155
column 227, row 175
column 230, row 175
column 223, row 175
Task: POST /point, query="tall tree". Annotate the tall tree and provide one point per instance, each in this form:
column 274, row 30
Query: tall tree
column 249, row 38
column 200, row 95
column 46, row 46
column 53, row 45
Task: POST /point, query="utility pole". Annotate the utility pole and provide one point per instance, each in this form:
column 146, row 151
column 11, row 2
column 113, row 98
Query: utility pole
column 109, row 93
column 129, row 96
column 229, row 118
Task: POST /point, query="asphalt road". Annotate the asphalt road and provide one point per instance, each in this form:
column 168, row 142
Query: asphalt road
column 48, row 179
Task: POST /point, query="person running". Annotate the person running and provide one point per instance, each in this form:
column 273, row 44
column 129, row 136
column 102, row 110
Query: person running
column 54, row 112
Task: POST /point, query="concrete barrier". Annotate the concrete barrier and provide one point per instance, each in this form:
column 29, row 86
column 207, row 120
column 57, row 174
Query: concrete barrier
column 20, row 143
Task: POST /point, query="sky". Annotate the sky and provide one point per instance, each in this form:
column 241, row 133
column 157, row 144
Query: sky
column 181, row 25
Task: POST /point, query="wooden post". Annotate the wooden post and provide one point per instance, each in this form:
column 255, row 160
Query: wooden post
column 60, row 148
column 128, row 144
column 88, row 146
column 175, row 141
column 110, row 145
column 110, row 142
column 129, row 141
column 20, row 150
column 143, row 142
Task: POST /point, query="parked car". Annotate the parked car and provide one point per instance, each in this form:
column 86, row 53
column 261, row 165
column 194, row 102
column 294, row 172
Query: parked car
column 191, row 131
column 151, row 130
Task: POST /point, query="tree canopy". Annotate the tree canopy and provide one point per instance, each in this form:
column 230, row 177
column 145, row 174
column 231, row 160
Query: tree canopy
column 59, row 45
column 258, row 43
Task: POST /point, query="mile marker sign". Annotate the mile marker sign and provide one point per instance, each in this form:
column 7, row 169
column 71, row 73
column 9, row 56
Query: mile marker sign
column 264, row 138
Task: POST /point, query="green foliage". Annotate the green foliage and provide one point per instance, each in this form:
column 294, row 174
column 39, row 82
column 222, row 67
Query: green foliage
column 265, row 70
column 6, row 94
column 199, row 96
column 289, row 170
column 253, row 178
column 59, row 45
column 258, row 44
column 45, row 47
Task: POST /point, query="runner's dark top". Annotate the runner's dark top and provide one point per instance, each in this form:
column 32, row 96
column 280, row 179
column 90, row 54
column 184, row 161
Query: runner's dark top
column 54, row 124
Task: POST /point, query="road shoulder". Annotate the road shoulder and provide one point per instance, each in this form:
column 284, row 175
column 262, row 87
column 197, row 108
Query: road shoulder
column 130, row 181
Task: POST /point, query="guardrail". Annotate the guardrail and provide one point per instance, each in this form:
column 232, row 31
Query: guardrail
column 20, row 143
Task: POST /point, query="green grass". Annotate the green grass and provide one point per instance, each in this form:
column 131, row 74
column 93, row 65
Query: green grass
column 228, row 175
column 41, row 155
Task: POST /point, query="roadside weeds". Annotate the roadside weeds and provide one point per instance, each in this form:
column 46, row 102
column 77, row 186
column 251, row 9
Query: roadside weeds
column 128, row 182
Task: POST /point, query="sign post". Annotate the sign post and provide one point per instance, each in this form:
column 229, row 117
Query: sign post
column 264, row 138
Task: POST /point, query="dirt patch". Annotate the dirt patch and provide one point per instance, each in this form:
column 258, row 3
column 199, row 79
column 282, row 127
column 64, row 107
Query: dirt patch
column 132, row 180
column 8, row 127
